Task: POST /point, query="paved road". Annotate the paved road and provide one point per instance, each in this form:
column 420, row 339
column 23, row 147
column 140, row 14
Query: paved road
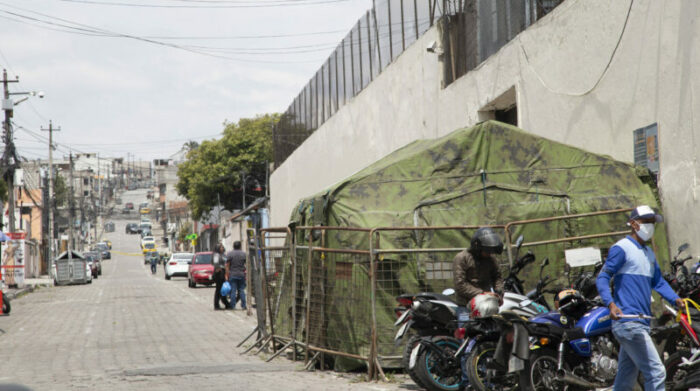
column 130, row 329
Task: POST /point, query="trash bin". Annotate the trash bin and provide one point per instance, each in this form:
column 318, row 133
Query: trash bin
column 70, row 268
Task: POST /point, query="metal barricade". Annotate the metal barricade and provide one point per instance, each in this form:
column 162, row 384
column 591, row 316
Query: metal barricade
column 408, row 261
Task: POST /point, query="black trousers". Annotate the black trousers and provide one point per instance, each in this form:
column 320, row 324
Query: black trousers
column 219, row 278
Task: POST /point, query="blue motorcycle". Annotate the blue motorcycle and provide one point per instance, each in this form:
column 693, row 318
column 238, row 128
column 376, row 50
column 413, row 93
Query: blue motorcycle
column 572, row 348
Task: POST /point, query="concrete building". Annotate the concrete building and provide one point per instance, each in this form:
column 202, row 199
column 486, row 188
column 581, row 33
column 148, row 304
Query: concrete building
column 612, row 77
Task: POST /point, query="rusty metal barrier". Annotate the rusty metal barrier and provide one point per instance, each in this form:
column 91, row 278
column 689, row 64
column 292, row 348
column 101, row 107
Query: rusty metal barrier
column 336, row 306
column 405, row 265
column 330, row 291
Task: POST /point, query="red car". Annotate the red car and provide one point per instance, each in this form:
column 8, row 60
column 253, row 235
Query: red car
column 129, row 205
column 201, row 270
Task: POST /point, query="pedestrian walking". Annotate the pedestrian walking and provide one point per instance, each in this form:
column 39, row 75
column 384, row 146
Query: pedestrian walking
column 235, row 274
column 632, row 266
column 219, row 261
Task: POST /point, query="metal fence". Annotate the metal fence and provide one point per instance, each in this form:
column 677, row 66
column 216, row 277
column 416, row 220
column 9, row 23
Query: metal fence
column 471, row 31
column 330, row 292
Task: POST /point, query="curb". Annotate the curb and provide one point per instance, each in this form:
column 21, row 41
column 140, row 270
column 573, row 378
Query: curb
column 18, row 292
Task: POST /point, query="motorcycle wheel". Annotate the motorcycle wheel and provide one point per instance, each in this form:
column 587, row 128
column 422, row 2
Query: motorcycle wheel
column 6, row 305
column 540, row 371
column 410, row 344
column 438, row 374
column 476, row 370
column 674, row 374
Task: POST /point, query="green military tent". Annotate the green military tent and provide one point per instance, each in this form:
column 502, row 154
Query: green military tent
column 489, row 174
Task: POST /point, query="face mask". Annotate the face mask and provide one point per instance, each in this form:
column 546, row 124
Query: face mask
column 645, row 231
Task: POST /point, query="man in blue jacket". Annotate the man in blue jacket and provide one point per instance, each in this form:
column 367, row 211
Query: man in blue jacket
column 632, row 265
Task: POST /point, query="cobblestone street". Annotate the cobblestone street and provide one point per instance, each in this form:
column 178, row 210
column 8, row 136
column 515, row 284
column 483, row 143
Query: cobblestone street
column 133, row 330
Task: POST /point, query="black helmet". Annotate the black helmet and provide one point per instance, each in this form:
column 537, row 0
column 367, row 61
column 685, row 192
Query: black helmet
column 485, row 240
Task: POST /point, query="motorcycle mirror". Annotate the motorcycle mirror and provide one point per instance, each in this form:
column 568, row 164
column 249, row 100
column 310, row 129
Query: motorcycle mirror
column 683, row 247
column 448, row 292
column 519, row 241
column 545, row 262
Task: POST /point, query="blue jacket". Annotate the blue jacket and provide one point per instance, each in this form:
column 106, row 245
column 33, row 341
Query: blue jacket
column 634, row 270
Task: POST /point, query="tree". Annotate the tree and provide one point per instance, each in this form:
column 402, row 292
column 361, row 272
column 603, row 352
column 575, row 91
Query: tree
column 190, row 145
column 60, row 190
column 218, row 167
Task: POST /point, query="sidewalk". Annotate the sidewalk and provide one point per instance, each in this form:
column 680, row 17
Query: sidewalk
column 29, row 285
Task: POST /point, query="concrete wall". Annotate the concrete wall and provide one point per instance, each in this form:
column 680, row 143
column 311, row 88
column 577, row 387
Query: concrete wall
column 586, row 75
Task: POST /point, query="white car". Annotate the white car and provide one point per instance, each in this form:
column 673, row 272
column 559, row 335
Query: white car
column 177, row 265
column 88, row 272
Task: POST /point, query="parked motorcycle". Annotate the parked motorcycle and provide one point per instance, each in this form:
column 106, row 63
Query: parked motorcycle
column 482, row 334
column 572, row 347
column 683, row 366
column 435, row 354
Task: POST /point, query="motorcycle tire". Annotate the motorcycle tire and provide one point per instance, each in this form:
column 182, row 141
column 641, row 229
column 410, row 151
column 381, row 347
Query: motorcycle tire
column 433, row 372
column 673, row 373
column 6, row 307
column 406, row 358
column 540, row 372
column 475, row 366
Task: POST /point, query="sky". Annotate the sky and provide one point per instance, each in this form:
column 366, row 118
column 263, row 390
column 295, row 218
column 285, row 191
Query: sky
column 142, row 77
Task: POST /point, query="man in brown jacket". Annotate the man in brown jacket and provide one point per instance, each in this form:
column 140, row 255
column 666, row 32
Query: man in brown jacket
column 475, row 270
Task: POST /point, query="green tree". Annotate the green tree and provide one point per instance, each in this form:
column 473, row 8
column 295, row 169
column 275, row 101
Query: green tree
column 217, row 167
column 60, row 190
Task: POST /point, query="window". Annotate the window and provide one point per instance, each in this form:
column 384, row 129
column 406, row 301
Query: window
column 504, row 109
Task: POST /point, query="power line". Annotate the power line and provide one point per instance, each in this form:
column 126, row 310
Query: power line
column 83, row 28
column 226, row 5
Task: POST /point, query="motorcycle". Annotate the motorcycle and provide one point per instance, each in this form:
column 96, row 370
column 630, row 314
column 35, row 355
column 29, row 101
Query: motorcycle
column 481, row 336
column 683, row 366
column 572, row 347
column 432, row 357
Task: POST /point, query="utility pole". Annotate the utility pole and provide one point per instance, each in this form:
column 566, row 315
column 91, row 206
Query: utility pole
column 51, row 129
column 8, row 158
column 71, row 208
column 99, row 185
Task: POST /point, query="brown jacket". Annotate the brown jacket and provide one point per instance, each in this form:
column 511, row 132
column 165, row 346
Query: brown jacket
column 474, row 276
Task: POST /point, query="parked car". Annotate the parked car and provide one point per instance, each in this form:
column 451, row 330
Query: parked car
column 143, row 205
column 129, row 205
column 95, row 265
column 201, row 270
column 177, row 265
column 145, row 211
column 146, row 233
column 145, row 226
column 132, row 228
column 103, row 249
column 88, row 272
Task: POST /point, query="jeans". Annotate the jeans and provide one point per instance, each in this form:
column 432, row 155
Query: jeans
column 237, row 291
column 462, row 318
column 637, row 353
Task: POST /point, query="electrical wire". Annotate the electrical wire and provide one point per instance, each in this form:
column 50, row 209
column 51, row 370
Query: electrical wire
column 602, row 74
column 275, row 4
column 83, row 28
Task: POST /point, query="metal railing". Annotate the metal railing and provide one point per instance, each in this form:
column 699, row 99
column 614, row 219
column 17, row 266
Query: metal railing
column 331, row 291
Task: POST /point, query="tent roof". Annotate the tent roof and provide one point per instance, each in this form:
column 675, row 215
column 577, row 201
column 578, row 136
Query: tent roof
column 477, row 175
